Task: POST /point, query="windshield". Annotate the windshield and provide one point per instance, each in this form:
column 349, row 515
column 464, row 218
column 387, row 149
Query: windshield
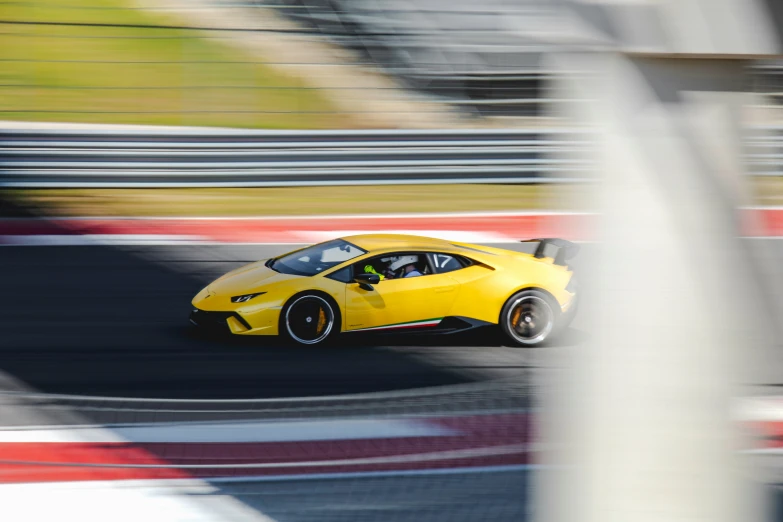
column 317, row 258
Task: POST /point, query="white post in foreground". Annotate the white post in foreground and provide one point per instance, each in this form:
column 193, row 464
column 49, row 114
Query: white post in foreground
column 642, row 421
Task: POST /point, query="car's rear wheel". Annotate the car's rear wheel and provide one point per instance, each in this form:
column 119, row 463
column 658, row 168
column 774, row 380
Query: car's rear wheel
column 528, row 318
column 309, row 319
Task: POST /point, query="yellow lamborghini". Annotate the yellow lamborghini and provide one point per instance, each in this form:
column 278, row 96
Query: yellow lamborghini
column 395, row 283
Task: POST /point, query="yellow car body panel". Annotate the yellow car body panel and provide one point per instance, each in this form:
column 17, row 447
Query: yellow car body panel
column 400, row 301
column 478, row 291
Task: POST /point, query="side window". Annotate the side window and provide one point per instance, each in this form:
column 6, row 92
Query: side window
column 374, row 265
column 395, row 265
column 344, row 275
column 442, row 263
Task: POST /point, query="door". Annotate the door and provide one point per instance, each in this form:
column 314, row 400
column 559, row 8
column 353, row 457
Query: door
column 403, row 303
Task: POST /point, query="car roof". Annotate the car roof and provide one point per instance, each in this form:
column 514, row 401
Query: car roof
column 380, row 242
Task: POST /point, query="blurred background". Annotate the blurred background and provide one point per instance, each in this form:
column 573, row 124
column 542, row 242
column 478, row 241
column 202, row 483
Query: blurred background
column 147, row 147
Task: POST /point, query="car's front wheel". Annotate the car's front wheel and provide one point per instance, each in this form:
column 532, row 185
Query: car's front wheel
column 309, row 319
column 528, row 318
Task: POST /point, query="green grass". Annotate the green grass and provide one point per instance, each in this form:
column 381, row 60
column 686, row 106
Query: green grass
column 768, row 191
column 287, row 201
column 104, row 75
column 292, row 200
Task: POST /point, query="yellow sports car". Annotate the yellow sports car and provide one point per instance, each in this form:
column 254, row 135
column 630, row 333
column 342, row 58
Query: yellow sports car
column 395, row 283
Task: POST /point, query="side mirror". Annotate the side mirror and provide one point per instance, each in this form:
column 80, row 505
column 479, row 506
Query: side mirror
column 367, row 280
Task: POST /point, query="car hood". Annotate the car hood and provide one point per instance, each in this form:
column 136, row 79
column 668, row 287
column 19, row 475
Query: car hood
column 247, row 279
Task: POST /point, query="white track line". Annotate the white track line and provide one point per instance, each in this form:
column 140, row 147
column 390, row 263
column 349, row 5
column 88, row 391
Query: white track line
column 231, row 432
column 465, row 236
column 299, row 237
column 759, row 409
column 371, row 474
column 125, row 501
column 98, row 239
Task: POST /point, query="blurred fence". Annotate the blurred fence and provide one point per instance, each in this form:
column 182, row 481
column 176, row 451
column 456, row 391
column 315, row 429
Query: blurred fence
column 100, row 158
column 484, row 58
column 767, row 80
column 495, row 396
column 425, row 433
column 296, row 64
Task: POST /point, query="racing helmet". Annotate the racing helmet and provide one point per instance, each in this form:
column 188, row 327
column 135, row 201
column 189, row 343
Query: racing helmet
column 402, row 261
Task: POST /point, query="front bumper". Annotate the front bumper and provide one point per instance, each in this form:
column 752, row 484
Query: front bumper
column 219, row 322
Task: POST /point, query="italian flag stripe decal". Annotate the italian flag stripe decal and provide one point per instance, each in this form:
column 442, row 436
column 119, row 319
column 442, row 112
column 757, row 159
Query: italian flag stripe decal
column 397, row 326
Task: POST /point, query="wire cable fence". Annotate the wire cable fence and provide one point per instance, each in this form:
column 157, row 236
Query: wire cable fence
column 464, row 429
column 501, row 396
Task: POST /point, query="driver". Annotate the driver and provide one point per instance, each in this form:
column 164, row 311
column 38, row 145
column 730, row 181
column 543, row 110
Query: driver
column 369, row 269
column 409, row 264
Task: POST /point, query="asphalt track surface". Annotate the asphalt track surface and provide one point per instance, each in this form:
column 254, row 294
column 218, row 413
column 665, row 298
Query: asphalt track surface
column 112, row 321
column 461, row 497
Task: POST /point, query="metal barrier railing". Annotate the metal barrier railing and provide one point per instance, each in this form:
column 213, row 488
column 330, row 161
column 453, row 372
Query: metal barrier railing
column 244, row 158
column 764, row 151
column 190, row 158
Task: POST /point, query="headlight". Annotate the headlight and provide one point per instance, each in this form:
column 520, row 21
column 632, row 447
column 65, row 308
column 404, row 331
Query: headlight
column 245, row 298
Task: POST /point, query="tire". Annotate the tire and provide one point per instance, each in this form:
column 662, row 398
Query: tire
column 309, row 319
column 529, row 317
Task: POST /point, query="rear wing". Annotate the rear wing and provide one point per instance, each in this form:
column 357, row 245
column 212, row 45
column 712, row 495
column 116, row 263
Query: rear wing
column 558, row 249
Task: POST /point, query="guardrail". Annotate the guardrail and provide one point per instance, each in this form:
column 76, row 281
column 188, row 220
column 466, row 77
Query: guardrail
column 246, row 158
column 141, row 158
column 764, row 151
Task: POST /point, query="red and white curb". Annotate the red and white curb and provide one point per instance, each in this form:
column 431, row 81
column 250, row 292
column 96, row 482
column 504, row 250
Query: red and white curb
column 764, row 417
column 254, row 450
column 474, row 227
column 138, row 472
column 244, row 450
column 170, row 471
column 487, row 227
